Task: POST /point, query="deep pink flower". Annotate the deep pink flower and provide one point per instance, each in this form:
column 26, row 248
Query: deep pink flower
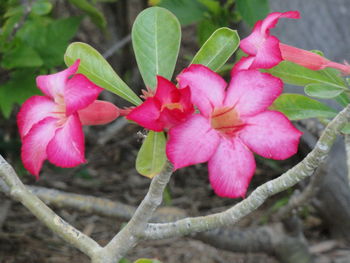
column 168, row 107
column 266, row 51
column 50, row 126
column 233, row 122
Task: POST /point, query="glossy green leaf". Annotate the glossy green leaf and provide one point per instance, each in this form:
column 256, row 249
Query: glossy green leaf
column 217, row 49
column 98, row 70
column 151, row 158
column 187, row 11
column 22, row 56
column 41, row 7
column 156, row 36
column 297, row 75
column 322, row 91
column 252, row 10
column 95, row 15
column 299, row 107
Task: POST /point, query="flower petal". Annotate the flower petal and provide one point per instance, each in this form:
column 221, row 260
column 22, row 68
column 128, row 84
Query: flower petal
column 251, row 91
column 147, row 115
column 53, row 85
column 272, row 19
column 79, row 93
column 34, row 145
column 207, row 87
column 242, row 64
column 32, row 111
column 66, row 149
column 231, row 168
column 99, row 112
column 271, row 135
column 269, row 54
column 262, row 45
column 191, row 142
column 166, row 91
column 185, row 100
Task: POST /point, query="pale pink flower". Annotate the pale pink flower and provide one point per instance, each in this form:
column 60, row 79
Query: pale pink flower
column 233, row 123
column 50, row 126
column 266, row 51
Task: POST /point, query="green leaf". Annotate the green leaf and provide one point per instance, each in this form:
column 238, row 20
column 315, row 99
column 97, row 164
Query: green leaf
column 322, row 91
column 297, row 75
column 22, row 56
column 156, row 36
column 205, row 29
column 95, row 15
column 252, row 10
column 346, row 129
column 98, row 70
column 41, row 7
column 151, row 158
column 212, row 5
column 49, row 37
column 299, row 107
column 187, row 11
column 19, row 88
column 147, row 260
column 217, row 49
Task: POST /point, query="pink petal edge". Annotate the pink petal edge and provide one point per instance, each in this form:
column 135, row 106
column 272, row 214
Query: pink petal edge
column 67, row 148
column 79, row 93
column 53, row 85
column 34, row 144
column 33, row 110
column 251, row 91
column 147, row 115
column 207, row 87
column 231, row 168
column 271, row 135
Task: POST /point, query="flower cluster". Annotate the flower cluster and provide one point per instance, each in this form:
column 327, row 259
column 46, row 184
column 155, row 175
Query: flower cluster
column 207, row 120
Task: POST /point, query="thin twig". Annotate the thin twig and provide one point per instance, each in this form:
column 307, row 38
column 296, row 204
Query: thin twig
column 109, row 52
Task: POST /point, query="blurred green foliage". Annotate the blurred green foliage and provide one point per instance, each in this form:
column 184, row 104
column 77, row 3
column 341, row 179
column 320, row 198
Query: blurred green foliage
column 210, row 15
column 33, row 42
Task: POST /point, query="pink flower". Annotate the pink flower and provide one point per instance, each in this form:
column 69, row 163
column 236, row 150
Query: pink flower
column 266, row 51
column 168, row 107
column 233, row 123
column 50, row 126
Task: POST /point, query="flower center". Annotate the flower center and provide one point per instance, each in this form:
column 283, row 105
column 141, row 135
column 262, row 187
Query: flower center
column 60, row 110
column 173, row 106
column 226, row 121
